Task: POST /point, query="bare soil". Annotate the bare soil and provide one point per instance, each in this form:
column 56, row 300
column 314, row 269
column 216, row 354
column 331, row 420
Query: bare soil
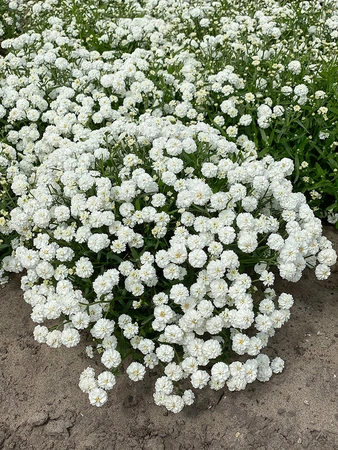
column 42, row 407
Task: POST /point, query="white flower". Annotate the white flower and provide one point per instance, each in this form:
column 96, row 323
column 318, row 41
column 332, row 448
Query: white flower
column 177, row 253
column 174, row 403
column 249, row 203
column 278, row 110
column 301, row 90
column 199, row 379
column 277, row 365
column 61, row 213
column 212, row 349
column 97, row 242
column 165, row 353
column 228, row 107
column 40, row 334
column 102, row 328
column 250, row 366
column 126, row 209
column 263, row 323
column 109, row 342
column 124, row 320
column 295, row 67
column 255, row 346
column 205, row 308
column 285, row 301
column 169, row 178
column 28, row 258
column 232, row 131
column 160, row 299
column 197, row 258
column 125, row 268
column 70, row 337
column 158, row 200
column 264, row 111
column 209, row 170
column 188, row 397
column 322, row 272
column 215, row 269
column 87, row 380
column 102, row 285
column 97, row 397
column 220, row 372
column 173, row 371
column 80, row 320
column 194, row 347
column 19, row 184
column 84, row 267
column 267, row 278
column 201, row 192
column 266, row 306
column 288, row 271
column 323, row 135
column 171, row 272
column 111, row 358
column 245, row 120
column 240, row 343
column 163, row 312
column 173, row 334
column 150, row 360
column 64, row 254
column 264, row 373
column 191, row 320
column 164, row 385
column 214, row 325
column 106, row 380
column 278, row 318
column 136, row 371
column 275, row 241
column 219, row 200
column 195, row 241
column 54, row 338
column 130, row 330
column 146, row 346
column 327, row 256
column 189, row 365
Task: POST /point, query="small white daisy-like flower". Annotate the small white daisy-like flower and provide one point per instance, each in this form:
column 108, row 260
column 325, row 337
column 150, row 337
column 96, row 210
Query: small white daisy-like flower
column 136, row 371
column 97, row 397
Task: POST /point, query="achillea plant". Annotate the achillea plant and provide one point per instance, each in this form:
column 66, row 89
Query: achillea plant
column 157, row 237
column 154, row 159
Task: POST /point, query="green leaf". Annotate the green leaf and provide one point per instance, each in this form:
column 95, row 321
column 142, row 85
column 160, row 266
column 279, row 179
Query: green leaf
column 264, row 136
column 114, row 257
column 296, row 168
column 319, row 170
column 333, row 163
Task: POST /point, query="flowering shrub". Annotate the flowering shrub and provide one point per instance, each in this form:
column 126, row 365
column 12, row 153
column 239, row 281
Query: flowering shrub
column 147, row 193
column 154, row 235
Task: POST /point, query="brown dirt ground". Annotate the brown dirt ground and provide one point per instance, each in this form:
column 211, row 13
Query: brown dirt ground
column 42, row 407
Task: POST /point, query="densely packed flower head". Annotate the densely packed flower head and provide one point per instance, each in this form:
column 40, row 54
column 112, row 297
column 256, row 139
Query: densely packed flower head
column 141, row 195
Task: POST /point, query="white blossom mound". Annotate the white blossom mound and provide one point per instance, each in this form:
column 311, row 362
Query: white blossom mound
column 139, row 207
column 161, row 234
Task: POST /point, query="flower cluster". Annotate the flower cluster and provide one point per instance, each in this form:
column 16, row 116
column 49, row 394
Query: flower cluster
column 164, row 247
column 139, row 196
